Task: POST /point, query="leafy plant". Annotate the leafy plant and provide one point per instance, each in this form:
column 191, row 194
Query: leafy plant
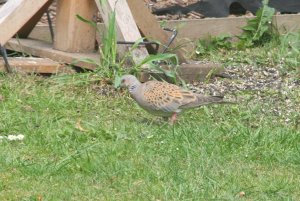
column 214, row 43
column 259, row 44
column 259, row 29
column 108, row 65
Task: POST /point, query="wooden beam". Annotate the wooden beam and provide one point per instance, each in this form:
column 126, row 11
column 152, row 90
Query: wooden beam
column 71, row 34
column 14, row 14
column 28, row 26
column 150, row 28
column 125, row 25
column 33, row 65
column 45, row 50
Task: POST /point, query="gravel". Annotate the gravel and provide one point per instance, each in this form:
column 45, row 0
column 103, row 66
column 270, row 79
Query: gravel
column 279, row 93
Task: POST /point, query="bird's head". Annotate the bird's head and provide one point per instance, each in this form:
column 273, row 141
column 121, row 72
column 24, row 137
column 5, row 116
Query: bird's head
column 129, row 81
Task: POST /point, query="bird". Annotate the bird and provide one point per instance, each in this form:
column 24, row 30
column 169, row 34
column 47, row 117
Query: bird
column 164, row 99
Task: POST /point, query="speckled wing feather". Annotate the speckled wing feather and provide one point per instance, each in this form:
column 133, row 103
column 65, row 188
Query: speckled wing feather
column 166, row 97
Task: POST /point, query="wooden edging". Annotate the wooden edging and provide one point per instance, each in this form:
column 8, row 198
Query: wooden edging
column 195, row 29
column 200, row 28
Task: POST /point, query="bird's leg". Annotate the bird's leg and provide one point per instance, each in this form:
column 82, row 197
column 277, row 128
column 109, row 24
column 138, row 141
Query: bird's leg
column 173, row 118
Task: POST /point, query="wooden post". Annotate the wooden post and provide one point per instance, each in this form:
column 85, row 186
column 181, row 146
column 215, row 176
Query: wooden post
column 71, row 34
column 14, row 14
column 125, row 24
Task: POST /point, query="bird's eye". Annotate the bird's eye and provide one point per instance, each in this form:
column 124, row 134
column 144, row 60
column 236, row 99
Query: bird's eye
column 122, row 81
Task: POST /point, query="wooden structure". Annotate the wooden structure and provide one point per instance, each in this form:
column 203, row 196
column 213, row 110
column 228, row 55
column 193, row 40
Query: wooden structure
column 75, row 40
column 17, row 13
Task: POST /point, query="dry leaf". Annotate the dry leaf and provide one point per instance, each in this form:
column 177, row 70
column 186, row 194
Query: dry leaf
column 39, row 198
column 78, row 125
column 242, row 194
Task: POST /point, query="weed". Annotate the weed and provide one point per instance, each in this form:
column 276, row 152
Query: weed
column 258, row 30
column 259, row 44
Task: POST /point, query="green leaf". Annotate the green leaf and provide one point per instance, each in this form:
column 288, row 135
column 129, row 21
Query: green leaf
column 117, row 81
column 92, row 23
column 158, row 57
column 248, row 28
column 259, row 27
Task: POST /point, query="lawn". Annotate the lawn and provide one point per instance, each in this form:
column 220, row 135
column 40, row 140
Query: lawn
column 80, row 145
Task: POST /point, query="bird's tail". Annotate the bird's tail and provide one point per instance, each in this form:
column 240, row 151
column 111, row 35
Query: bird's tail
column 206, row 100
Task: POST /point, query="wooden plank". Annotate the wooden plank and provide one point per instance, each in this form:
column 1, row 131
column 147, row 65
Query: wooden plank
column 150, row 28
column 71, row 34
column 33, row 65
column 125, row 25
column 28, row 26
column 45, row 50
column 41, row 32
column 193, row 29
column 195, row 71
column 14, row 14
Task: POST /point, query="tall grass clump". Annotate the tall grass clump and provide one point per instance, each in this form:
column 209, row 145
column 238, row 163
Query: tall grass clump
column 112, row 65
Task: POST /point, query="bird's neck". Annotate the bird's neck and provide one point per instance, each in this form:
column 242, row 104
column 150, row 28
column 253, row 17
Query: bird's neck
column 133, row 87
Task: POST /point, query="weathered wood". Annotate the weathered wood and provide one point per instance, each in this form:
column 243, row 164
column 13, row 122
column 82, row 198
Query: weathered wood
column 150, row 28
column 28, row 26
column 189, row 72
column 125, row 25
column 71, row 34
column 33, row 65
column 196, row 71
column 193, row 29
column 14, row 14
column 41, row 32
column 45, row 50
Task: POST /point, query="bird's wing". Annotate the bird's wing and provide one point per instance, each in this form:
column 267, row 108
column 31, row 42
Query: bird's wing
column 203, row 100
column 166, row 97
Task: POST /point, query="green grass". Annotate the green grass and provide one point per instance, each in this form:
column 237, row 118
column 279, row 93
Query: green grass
column 82, row 146
column 280, row 50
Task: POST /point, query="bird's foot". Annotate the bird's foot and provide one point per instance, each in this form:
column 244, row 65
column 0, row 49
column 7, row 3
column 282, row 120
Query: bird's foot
column 173, row 118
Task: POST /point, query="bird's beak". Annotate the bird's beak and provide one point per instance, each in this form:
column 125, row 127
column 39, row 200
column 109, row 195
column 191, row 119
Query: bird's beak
column 123, row 84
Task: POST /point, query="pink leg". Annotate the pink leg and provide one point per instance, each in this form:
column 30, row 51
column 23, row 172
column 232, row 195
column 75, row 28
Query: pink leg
column 173, row 118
